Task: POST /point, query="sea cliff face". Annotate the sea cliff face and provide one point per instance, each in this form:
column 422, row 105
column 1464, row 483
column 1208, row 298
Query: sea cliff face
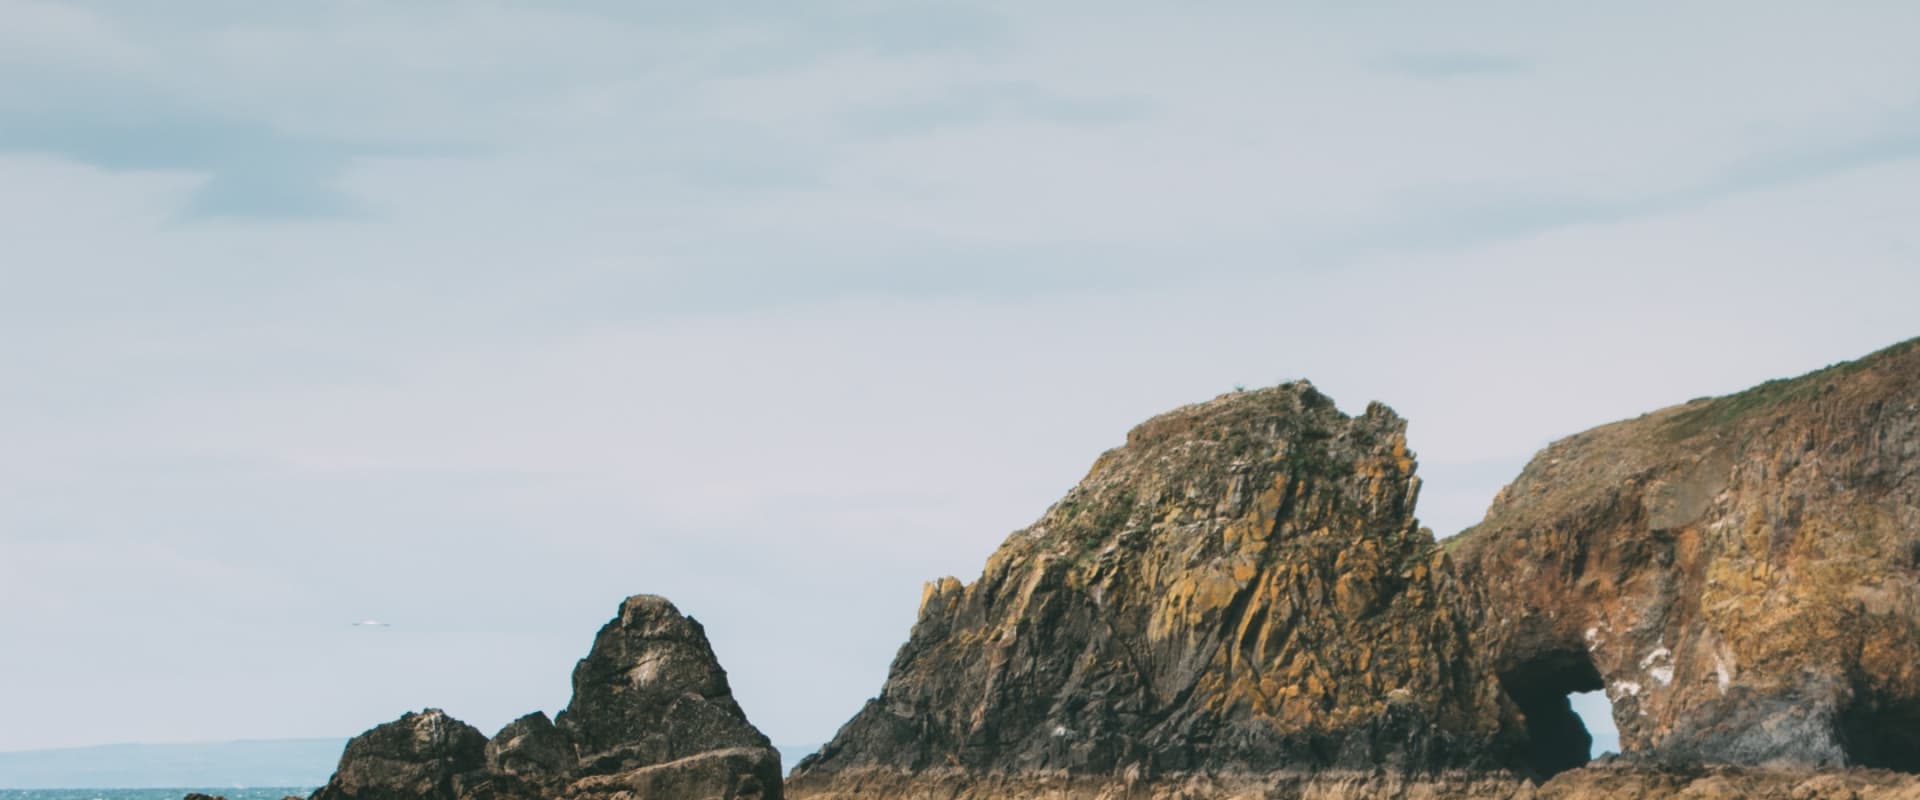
column 1239, row 603
column 1741, row 575
column 1239, row 596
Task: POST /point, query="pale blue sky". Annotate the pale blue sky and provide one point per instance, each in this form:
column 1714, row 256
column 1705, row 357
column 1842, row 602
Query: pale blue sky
column 476, row 318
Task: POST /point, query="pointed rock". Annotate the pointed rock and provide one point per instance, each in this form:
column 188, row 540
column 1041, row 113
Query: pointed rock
column 652, row 718
column 1239, row 597
column 652, row 691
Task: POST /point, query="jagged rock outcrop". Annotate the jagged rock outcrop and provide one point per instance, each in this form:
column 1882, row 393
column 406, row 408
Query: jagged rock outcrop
column 651, row 692
column 1238, row 602
column 1740, row 574
column 652, row 718
column 420, row 756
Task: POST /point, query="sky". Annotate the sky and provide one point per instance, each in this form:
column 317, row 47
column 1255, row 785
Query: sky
column 477, row 317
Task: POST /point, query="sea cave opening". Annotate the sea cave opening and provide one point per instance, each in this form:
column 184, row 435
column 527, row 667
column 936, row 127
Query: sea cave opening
column 1882, row 733
column 1544, row 688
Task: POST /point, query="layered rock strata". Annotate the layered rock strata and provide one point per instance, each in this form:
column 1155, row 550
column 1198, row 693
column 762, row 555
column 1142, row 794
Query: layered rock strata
column 1237, row 600
column 652, row 718
column 1741, row 575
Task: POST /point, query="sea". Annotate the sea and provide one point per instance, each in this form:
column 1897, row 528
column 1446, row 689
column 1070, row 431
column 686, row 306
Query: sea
column 231, row 793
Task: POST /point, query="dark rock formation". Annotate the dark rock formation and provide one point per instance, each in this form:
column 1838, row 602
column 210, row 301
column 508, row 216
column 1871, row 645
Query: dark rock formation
column 531, row 749
column 1237, row 600
column 419, row 755
column 652, row 718
column 1741, row 574
column 1239, row 603
column 651, row 692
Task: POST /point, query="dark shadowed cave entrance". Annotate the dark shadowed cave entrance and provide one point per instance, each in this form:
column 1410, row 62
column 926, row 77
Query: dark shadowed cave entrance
column 1882, row 734
column 1540, row 686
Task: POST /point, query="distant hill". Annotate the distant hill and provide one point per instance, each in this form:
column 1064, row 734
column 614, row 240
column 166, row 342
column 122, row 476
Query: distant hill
column 278, row 762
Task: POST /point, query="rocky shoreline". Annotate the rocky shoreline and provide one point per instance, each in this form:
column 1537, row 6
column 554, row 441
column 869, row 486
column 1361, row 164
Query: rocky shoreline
column 1239, row 603
column 652, row 716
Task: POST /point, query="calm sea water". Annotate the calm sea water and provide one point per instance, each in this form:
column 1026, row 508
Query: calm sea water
column 257, row 793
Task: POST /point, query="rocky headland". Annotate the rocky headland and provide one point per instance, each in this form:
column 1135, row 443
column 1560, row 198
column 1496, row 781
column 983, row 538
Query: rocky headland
column 1239, row 603
column 1741, row 575
column 652, row 718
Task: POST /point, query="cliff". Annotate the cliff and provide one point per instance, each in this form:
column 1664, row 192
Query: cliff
column 1238, row 599
column 1239, row 603
column 1740, row 574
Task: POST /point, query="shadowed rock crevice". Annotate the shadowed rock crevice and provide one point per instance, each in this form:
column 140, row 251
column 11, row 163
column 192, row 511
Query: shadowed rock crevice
column 1739, row 569
column 1882, row 735
column 1557, row 740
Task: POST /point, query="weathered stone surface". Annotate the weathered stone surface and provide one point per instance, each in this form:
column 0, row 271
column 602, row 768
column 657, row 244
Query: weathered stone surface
column 1593, row 783
column 1728, row 783
column 740, row 773
column 1741, row 574
column 959, row 784
column 419, row 755
column 532, row 749
column 651, row 692
column 1239, row 596
column 652, row 718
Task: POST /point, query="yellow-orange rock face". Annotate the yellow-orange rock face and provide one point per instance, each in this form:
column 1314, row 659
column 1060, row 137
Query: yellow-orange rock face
column 1240, row 590
column 1741, row 574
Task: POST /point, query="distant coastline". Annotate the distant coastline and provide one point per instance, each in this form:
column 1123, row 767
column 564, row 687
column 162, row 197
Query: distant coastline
column 249, row 763
column 263, row 769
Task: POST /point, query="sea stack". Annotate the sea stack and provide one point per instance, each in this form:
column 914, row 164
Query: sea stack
column 1237, row 602
column 652, row 718
column 1741, row 575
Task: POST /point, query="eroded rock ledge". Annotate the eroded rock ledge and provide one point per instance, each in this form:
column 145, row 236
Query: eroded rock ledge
column 652, row 718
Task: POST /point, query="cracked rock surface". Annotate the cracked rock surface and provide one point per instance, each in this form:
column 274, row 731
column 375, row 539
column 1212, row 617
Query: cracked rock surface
column 1238, row 595
column 652, row 718
column 1740, row 574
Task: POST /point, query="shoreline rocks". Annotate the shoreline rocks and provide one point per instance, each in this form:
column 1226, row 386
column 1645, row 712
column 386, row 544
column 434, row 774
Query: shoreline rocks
column 1239, row 603
column 1240, row 590
column 652, row 718
column 1739, row 574
column 1203, row 616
